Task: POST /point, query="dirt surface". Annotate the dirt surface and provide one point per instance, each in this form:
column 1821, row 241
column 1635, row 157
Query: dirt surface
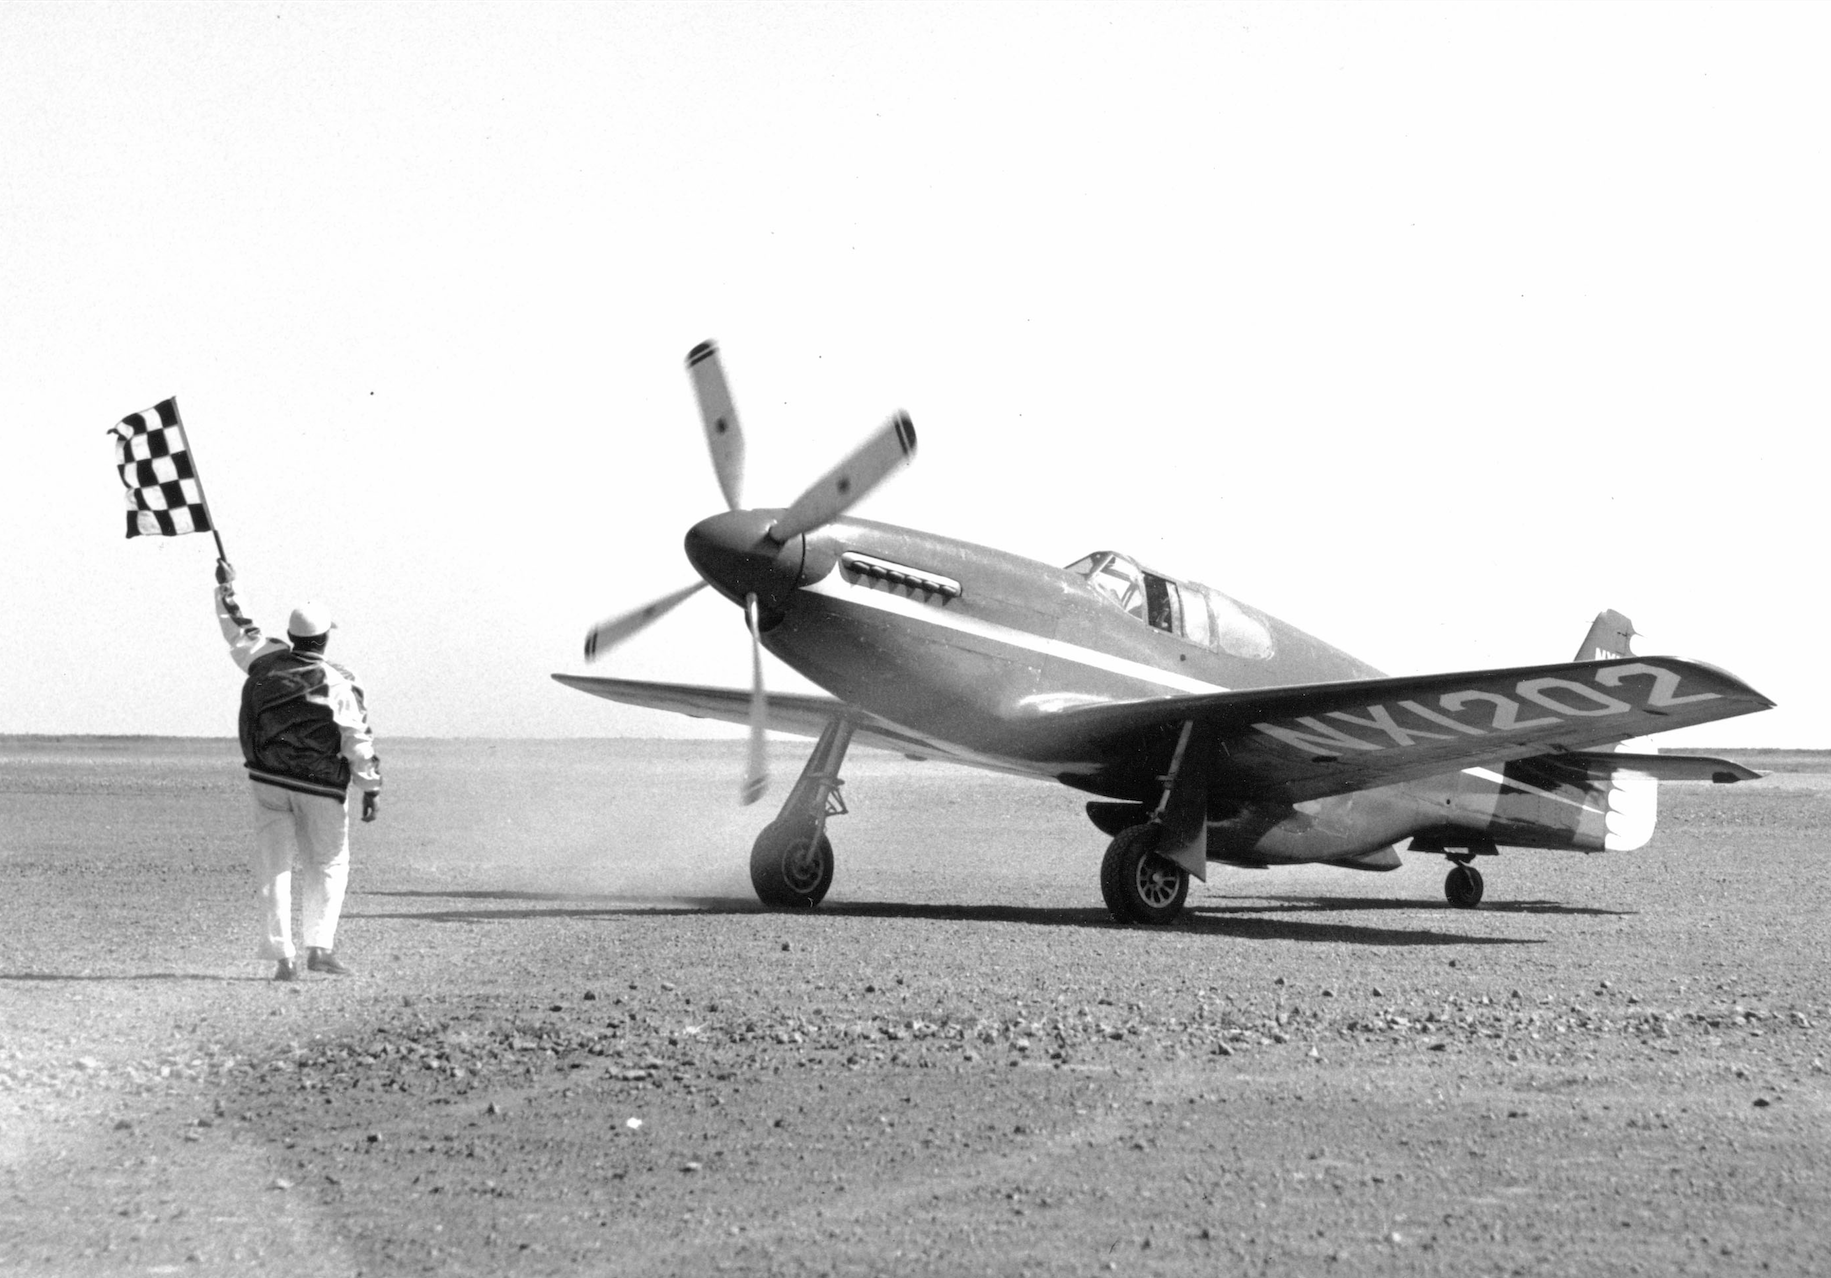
column 575, row 1045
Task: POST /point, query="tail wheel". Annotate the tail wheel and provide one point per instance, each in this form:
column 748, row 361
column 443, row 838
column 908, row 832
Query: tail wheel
column 1462, row 887
column 1140, row 886
column 791, row 866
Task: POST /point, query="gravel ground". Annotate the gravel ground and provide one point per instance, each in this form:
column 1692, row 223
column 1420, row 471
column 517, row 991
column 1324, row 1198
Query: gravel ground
column 575, row 1045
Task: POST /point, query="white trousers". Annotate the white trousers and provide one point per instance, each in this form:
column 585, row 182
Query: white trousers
column 315, row 831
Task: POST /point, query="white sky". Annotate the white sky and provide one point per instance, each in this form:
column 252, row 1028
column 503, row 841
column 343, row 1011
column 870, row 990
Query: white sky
column 1430, row 329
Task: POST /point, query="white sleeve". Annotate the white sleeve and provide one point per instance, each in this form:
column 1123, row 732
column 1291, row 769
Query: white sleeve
column 244, row 637
column 352, row 718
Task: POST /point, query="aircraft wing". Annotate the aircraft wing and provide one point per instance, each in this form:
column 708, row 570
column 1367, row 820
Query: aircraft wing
column 1308, row 741
column 788, row 712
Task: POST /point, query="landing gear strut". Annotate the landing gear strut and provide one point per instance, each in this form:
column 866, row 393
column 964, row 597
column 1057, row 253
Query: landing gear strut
column 1145, row 874
column 791, row 863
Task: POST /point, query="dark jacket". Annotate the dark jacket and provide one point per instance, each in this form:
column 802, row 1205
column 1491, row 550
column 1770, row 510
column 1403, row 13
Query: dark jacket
column 289, row 729
column 303, row 723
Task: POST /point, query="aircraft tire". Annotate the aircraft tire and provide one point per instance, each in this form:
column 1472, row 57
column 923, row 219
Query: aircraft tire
column 1140, row 886
column 1462, row 887
column 791, row 866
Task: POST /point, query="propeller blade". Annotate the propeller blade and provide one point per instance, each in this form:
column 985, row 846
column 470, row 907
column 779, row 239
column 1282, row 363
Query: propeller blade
column 723, row 435
column 612, row 631
column 756, row 764
column 837, row 491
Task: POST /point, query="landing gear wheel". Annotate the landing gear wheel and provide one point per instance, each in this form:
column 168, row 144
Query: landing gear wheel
column 791, row 865
column 1140, row 886
column 1462, row 888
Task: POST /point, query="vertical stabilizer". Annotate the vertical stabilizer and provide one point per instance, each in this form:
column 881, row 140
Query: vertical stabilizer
column 1630, row 798
column 1610, row 638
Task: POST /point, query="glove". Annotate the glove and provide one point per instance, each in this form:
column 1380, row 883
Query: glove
column 370, row 799
column 225, row 572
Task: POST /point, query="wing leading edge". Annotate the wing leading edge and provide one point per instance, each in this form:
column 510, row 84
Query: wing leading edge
column 788, row 712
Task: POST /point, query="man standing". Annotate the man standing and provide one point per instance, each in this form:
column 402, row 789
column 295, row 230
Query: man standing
column 305, row 737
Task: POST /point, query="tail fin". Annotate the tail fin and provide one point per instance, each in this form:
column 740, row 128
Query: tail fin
column 1609, row 639
column 1631, row 798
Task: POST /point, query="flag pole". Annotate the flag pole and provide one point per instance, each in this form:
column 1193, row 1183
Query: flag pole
column 202, row 493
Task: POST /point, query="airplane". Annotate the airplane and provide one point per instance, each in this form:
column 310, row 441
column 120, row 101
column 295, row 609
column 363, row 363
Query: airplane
column 1205, row 731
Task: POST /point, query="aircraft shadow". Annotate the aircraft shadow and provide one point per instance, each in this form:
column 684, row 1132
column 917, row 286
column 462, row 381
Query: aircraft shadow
column 587, row 905
column 207, row 977
column 1196, row 920
column 508, row 894
column 1352, row 904
column 1243, row 922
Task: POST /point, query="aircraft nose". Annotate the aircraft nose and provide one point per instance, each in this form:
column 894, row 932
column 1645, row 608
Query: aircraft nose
column 734, row 552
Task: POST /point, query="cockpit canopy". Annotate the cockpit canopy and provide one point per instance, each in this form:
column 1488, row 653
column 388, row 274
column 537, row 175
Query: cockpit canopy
column 1195, row 612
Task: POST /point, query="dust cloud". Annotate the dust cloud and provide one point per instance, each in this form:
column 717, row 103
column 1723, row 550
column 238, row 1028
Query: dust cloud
column 630, row 822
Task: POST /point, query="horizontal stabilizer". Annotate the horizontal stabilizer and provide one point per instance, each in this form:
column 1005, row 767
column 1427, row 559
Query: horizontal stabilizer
column 1664, row 767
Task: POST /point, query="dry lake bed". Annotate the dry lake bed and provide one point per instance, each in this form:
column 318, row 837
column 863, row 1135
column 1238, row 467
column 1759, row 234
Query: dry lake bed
column 576, row 1045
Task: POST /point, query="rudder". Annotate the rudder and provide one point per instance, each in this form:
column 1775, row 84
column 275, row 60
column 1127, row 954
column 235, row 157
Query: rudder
column 1610, row 638
column 1631, row 799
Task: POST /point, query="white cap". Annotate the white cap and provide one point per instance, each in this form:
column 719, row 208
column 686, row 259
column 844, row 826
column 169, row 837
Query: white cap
column 310, row 619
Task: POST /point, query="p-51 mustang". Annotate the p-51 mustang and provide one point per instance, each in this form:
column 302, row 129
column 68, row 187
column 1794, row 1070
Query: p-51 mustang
column 1208, row 731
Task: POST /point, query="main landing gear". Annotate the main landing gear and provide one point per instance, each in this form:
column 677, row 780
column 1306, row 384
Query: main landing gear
column 791, row 863
column 1140, row 886
column 1462, row 887
column 1145, row 873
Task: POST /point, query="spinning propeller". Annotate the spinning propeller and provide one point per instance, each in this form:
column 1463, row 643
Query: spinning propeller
column 756, row 557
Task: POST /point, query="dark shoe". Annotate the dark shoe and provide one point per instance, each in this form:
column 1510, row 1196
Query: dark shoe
column 324, row 961
column 287, row 970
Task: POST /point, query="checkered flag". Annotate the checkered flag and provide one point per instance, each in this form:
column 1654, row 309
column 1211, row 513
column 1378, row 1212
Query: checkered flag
column 164, row 498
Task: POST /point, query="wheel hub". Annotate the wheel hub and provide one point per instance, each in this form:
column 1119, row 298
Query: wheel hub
column 1157, row 882
column 801, row 866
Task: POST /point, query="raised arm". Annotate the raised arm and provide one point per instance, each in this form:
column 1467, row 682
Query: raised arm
column 244, row 637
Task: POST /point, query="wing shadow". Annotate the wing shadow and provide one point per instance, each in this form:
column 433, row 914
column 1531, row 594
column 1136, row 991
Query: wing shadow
column 1238, row 922
column 512, row 894
column 588, row 905
column 1195, row 920
column 1355, row 904
column 207, row 977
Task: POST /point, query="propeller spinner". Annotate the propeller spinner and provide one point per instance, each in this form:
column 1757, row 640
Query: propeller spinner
column 747, row 554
